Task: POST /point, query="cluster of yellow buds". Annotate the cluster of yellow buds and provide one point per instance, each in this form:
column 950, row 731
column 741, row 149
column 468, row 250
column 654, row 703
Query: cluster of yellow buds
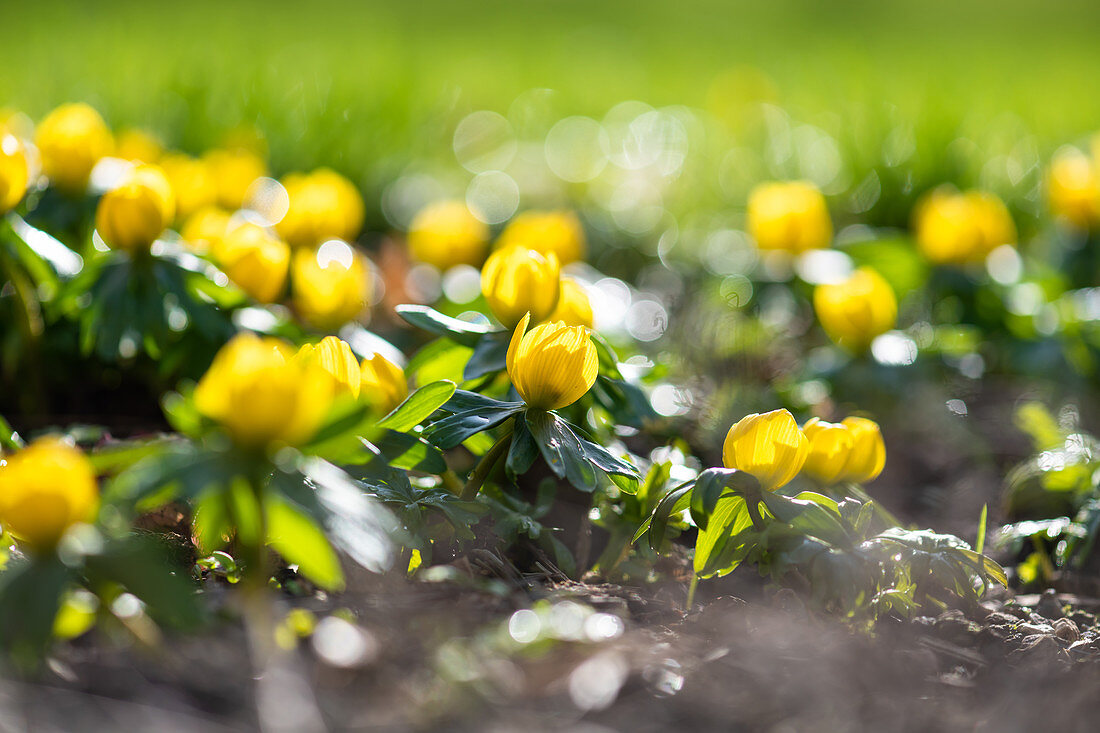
column 958, row 228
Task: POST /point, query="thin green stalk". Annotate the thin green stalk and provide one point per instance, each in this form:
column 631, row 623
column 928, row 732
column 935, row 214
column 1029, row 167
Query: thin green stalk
column 485, row 465
column 691, row 591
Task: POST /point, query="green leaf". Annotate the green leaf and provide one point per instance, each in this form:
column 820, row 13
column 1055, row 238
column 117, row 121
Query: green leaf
column 490, row 355
column 730, row 517
column 454, row 429
column 116, row 456
column 418, row 406
column 979, row 545
column 710, row 486
column 210, row 521
column 439, row 359
column 30, row 595
column 410, row 452
column 523, row 451
column 431, row 320
column 295, row 536
column 674, row 502
column 609, row 463
column 561, row 449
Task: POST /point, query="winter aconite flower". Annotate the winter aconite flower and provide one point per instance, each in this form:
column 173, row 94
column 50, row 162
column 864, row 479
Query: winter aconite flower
column 789, row 215
column 517, row 280
column 44, row 489
column 71, row 140
column 255, row 260
column 559, row 232
column 323, row 205
column 961, row 228
column 233, row 172
column 192, row 183
column 14, row 172
column 139, row 146
column 335, row 358
column 1073, row 188
column 868, row 454
column 330, row 285
column 830, row 450
column 384, row 386
column 855, row 311
column 446, row 233
column 769, row 446
column 134, row 214
column 574, row 308
column 552, row 365
column 204, row 230
column 262, row 395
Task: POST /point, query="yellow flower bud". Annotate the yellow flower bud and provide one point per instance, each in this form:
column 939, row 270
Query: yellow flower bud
column 868, row 454
column 1073, row 188
column 45, row 489
column 204, row 230
column 961, row 228
column 995, row 225
column 331, row 285
column 255, row 260
column 71, row 140
column 789, row 215
column 574, row 308
column 830, row 450
column 134, row 214
column 553, row 365
column 233, row 171
column 769, row 446
column 192, row 182
column 384, row 384
column 559, row 232
column 446, row 234
column 261, row 395
column 336, row 359
column 139, row 146
column 516, row 281
column 857, row 310
column 323, row 205
column 14, row 172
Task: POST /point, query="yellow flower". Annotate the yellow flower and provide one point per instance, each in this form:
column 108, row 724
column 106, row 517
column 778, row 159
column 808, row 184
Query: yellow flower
column 574, row 308
column 335, row 358
column 553, row 365
column 45, row 489
column 233, row 171
column 961, row 228
column 204, row 230
column 1073, row 188
column 323, row 205
column 446, row 234
column 789, row 215
column 995, row 225
column 134, row 214
column 191, row 180
column 517, row 280
column 857, row 310
column 139, row 146
column 830, row 450
column 868, row 455
column 71, row 140
column 769, row 446
column 254, row 259
column 384, row 384
column 331, row 285
column 14, row 172
column 559, row 232
column 262, row 395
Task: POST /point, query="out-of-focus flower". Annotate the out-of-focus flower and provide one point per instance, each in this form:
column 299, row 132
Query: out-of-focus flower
column 44, row 489
column 256, row 260
column 134, row 214
column 559, row 232
column 960, row 228
column 139, row 146
column 329, row 293
column 868, row 455
column 233, row 171
column 204, row 230
column 384, row 383
column 192, row 181
column 14, row 172
column 574, row 307
column 769, row 446
column 789, row 215
column 553, row 365
column 517, row 280
column 71, row 140
column 1073, row 188
column 830, row 450
column 335, row 358
column 261, row 395
column 857, row 310
column 446, row 234
column 323, row 205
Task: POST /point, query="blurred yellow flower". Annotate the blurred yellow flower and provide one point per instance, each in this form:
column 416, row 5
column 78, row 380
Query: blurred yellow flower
column 1073, row 188
column 204, row 230
column 192, row 181
column 133, row 215
column 71, row 140
column 139, row 146
column 830, row 450
column 517, row 280
column 330, row 289
column 336, row 359
column 857, row 310
column 233, row 171
column 44, row 489
column 868, row 454
column 323, row 205
column 574, row 307
column 559, row 232
column 553, row 365
column 960, row 228
column 445, row 234
column 384, row 383
column 789, row 215
column 769, row 446
column 254, row 259
column 261, row 395
column 14, row 172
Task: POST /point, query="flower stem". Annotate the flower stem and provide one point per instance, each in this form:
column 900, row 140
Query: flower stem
column 485, row 465
column 691, row 591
